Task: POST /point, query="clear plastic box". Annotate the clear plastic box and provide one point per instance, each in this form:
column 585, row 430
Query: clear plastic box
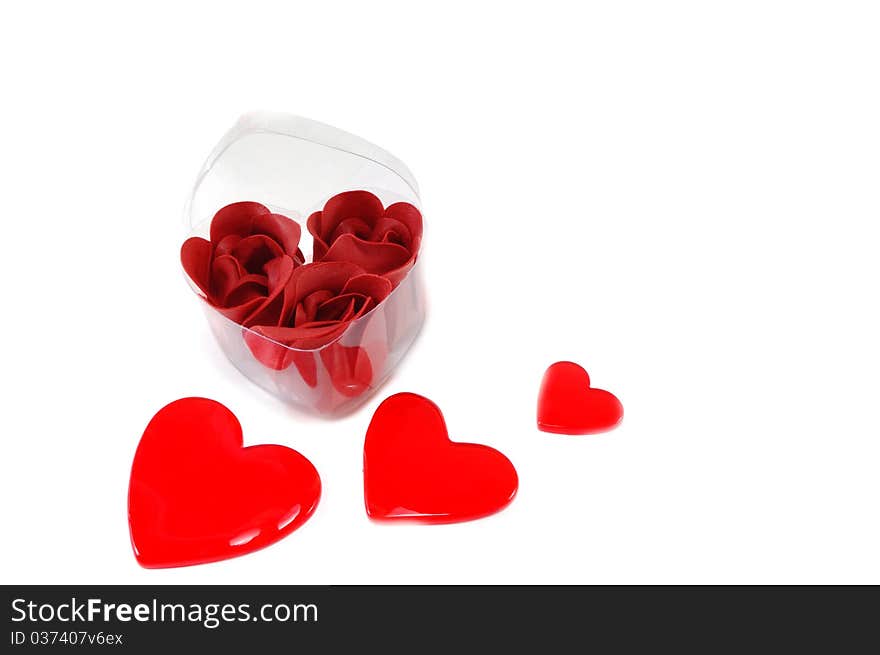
column 293, row 166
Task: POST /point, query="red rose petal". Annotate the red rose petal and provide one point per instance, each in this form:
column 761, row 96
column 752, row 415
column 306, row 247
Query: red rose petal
column 195, row 256
column 374, row 257
column 307, row 310
column 255, row 251
column 356, row 226
column 284, row 231
column 349, row 367
column 237, row 218
column 410, row 216
column 270, row 343
column 279, row 347
column 226, row 271
column 239, row 313
column 269, row 353
column 376, row 287
column 306, row 280
column 391, row 231
column 349, row 204
column 320, row 302
column 330, row 276
column 305, row 364
column 319, row 246
column 340, row 308
column 226, row 244
column 278, row 272
column 247, row 288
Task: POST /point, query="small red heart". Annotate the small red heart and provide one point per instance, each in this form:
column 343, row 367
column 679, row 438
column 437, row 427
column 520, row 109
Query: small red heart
column 568, row 405
column 196, row 495
column 413, row 471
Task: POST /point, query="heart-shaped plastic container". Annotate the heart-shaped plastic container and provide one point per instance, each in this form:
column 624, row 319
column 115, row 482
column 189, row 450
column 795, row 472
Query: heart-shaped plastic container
column 293, row 166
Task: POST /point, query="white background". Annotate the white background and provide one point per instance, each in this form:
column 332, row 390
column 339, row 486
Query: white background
column 681, row 196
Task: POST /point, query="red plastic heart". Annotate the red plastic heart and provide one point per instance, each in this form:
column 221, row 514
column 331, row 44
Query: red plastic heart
column 196, row 495
column 413, row 471
column 568, row 405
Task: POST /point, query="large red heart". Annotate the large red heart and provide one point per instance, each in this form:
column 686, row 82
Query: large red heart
column 568, row 405
column 196, row 495
column 413, row 471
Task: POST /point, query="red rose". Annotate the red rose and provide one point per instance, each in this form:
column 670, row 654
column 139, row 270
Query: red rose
column 355, row 227
column 232, row 268
column 319, row 302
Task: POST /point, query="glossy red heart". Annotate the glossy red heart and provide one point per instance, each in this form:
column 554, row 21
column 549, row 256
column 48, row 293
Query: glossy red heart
column 196, row 495
column 568, row 405
column 413, row 471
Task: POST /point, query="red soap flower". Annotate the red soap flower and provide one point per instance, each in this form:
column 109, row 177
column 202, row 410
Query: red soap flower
column 355, row 227
column 319, row 302
column 233, row 268
column 251, row 270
